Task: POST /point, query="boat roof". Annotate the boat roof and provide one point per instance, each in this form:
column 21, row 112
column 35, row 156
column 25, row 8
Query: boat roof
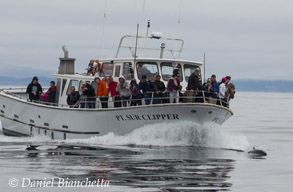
column 86, row 77
column 198, row 63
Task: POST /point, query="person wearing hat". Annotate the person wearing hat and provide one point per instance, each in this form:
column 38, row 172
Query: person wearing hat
column 89, row 93
column 174, row 86
column 34, row 89
column 123, row 89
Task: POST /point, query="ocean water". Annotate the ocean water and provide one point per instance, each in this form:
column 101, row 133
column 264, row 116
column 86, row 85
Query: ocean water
column 164, row 157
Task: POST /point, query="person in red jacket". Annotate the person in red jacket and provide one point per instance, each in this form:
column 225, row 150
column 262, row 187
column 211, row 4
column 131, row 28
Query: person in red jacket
column 102, row 92
column 115, row 94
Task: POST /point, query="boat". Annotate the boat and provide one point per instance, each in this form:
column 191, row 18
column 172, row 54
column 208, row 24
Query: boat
column 21, row 117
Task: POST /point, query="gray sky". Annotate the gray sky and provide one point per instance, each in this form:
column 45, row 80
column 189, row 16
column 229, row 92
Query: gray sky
column 241, row 38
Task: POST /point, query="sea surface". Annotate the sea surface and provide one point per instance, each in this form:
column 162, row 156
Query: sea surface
column 164, row 157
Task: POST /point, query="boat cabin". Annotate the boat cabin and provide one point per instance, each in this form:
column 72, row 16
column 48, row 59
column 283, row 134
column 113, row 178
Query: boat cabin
column 124, row 67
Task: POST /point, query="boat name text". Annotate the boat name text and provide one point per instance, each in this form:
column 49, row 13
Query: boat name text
column 147, row 117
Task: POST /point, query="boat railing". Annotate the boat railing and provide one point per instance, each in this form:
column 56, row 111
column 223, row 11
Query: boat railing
column 152, row 98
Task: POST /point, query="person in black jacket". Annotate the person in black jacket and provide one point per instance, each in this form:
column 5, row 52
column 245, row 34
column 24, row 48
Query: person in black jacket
column 89, row 92
column 34, row 89
column 159, row 91
column 73, row 98
column 194, row 84
column 52, row 92
column 145, row 87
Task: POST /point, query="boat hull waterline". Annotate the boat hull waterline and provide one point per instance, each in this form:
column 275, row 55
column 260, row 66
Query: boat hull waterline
column 23, row 118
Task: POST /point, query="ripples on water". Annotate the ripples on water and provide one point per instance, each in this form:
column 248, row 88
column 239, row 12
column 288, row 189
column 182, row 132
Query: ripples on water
column 165, row 157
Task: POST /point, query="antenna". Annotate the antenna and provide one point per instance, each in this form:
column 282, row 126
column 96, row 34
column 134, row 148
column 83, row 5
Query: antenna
column 103, row 29
column 148, row 27
column 136, row 39
column 204, row 67
column 143, row 8
column 178, row 23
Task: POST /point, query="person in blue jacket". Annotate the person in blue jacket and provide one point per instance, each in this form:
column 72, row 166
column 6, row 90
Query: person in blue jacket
column 215, row 87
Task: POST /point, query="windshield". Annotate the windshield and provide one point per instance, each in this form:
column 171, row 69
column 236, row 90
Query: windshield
column 167, row 71
column 146, row 68
column 189, row 69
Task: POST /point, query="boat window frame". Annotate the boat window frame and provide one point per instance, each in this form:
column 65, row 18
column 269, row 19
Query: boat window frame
column 80, row 85
column 115, row 72
column 70, row 85
column 102, row 74
column 196, row 66
column 147, row 62
column 171, row 63
column 127, row 76
column 64, row 81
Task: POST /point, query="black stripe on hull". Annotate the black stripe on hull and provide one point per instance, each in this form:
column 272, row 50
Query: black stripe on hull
column 8, row 132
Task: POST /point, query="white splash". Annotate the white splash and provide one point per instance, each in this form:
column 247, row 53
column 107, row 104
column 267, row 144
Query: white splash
column 173, row 134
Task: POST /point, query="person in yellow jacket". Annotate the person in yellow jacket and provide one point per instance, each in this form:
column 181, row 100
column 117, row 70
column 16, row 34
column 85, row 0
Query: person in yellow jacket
column 102, row 92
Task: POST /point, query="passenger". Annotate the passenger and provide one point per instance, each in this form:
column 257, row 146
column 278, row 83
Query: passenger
column 112, row 85
column 135, row 93
column 160, row 91
column 228, row 78
column 208, row 90
column 52, row 92
column 215, row 88
column 123, row 89
column 82, row 99
column 89, row 94
column 145, row 71
column 174, row 86
column 73, row 98
column 222, row 92
column 230, row 93
column 200, row 93
column 193, row 85
column 102, row 92
column 152, row 89
column 34, row 89
column 145, row 87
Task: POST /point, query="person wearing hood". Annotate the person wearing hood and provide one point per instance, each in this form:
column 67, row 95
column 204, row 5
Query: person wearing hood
column 34, row 89
column 123, row 89
column 174, row 86
column 52, row 92
column 115, row 94
column 145, row 87
column 135, row 93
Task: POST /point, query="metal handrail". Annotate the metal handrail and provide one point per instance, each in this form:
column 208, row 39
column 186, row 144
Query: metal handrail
column 98, row 102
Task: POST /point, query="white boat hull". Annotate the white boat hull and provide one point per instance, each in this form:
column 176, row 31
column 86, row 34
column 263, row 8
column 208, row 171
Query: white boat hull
column 22, row 118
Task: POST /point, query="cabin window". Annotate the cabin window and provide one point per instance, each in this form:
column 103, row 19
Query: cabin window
column 147, row 68
column 80, row 85
column 72, row 83
column 117, row 70
column 63, row 86
column 107, row 70
column 188, row 70
column 127, row 70
column 94, row 84
column 167, row 71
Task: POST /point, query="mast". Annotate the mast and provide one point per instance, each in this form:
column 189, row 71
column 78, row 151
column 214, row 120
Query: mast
column 204, row 66
column 103, row 29
column 134, row 59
